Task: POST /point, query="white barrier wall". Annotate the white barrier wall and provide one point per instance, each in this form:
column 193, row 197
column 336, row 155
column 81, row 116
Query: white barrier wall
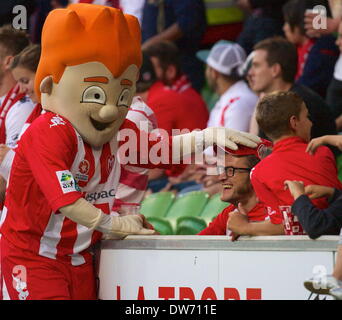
column 212, row 267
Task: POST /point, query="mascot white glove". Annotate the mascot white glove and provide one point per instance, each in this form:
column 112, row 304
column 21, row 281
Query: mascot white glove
column 186, row 144
column 114, row 227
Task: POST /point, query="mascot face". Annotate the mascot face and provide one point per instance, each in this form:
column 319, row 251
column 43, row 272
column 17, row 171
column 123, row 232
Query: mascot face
column 93, row 100
column 88, row 68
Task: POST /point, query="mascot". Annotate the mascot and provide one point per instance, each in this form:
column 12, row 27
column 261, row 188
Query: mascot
column 65, row 171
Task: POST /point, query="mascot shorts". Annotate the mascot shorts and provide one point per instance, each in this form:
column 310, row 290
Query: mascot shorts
column 25, row 276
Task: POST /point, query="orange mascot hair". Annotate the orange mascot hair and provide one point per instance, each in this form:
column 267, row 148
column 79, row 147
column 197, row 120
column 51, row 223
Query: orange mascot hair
column 84, row 33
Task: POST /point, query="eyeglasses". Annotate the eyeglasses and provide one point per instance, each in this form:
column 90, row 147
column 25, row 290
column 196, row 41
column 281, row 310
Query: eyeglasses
column 230, row 171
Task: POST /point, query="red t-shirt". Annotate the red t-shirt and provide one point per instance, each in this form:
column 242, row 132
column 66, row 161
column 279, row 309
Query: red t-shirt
column 289, row 161
column 219, row 225
column 183, row 86
column 173, row 111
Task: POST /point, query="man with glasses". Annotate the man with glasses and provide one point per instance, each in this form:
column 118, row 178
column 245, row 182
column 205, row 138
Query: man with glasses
column 238, row 191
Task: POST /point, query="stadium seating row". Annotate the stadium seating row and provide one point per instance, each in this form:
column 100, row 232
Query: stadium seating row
column 186, row 214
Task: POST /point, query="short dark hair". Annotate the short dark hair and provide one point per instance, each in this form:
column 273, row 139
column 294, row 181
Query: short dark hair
column 167, row 53
column 283, row 52
column 274, row 111
column 293, row 12
column 147, row 76
column 28, row 58
column 12, row 41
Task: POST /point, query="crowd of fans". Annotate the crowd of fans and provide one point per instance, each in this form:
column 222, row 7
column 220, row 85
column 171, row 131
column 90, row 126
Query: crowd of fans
column 280, row 79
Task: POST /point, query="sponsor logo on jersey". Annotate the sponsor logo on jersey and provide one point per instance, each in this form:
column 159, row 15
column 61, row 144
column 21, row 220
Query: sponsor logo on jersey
column 100, row 195
column 67, row 181
column 56, row 121
column 83, row 168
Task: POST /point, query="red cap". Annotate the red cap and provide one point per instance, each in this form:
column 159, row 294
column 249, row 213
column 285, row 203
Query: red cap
column 259, row 151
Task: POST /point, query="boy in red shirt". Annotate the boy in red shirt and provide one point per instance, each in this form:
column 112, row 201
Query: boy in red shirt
column 283, row 116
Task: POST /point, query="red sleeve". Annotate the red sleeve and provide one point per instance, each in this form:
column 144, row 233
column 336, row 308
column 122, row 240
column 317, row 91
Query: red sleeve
column 219, row 225
column 266, row 197
column 50, row 149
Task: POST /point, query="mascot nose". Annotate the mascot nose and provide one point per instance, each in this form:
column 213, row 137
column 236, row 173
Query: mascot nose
column 108, row 113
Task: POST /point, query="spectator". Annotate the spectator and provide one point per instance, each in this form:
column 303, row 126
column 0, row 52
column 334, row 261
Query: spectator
column 172, row 112
column 238, row 191
column 334, row 92
column 332, row 25
column 316, row 56
column 283, row 116
column 316, row 222
column 171, row 109
column 274, row 68
column 183, row 22
column 12, row 41
column 24, row 66
column 265, row 21
column 165, row 58
column 333, row 282
column 236, row 104
column 15, row 106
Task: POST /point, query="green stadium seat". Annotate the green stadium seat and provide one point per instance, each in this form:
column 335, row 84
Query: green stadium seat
column 186, row 206
column 339, row 166
column 190, row 225
column 193, row 225
column 214, row 206
column 157, row 204
column 161, row 225
column 190, row 204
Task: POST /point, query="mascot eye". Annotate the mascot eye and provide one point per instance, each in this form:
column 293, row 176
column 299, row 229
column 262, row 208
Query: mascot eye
column 124, row 99
column 94, row 94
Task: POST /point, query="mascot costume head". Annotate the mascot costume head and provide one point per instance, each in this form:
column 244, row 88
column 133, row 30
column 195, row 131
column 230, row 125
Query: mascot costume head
column 88, row 68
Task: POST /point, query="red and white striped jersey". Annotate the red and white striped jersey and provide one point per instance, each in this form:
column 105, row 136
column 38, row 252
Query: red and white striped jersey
column 6, row 163
column 134, row 179
column 14, row 111
column 52, row 168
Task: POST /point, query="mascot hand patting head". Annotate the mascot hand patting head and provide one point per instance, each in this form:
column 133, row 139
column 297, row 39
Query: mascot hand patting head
column 88, row 68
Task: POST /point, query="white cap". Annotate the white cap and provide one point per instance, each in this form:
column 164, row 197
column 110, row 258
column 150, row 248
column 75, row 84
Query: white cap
column 224, row 56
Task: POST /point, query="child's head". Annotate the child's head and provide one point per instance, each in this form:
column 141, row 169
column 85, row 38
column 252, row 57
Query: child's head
column 283, row 114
